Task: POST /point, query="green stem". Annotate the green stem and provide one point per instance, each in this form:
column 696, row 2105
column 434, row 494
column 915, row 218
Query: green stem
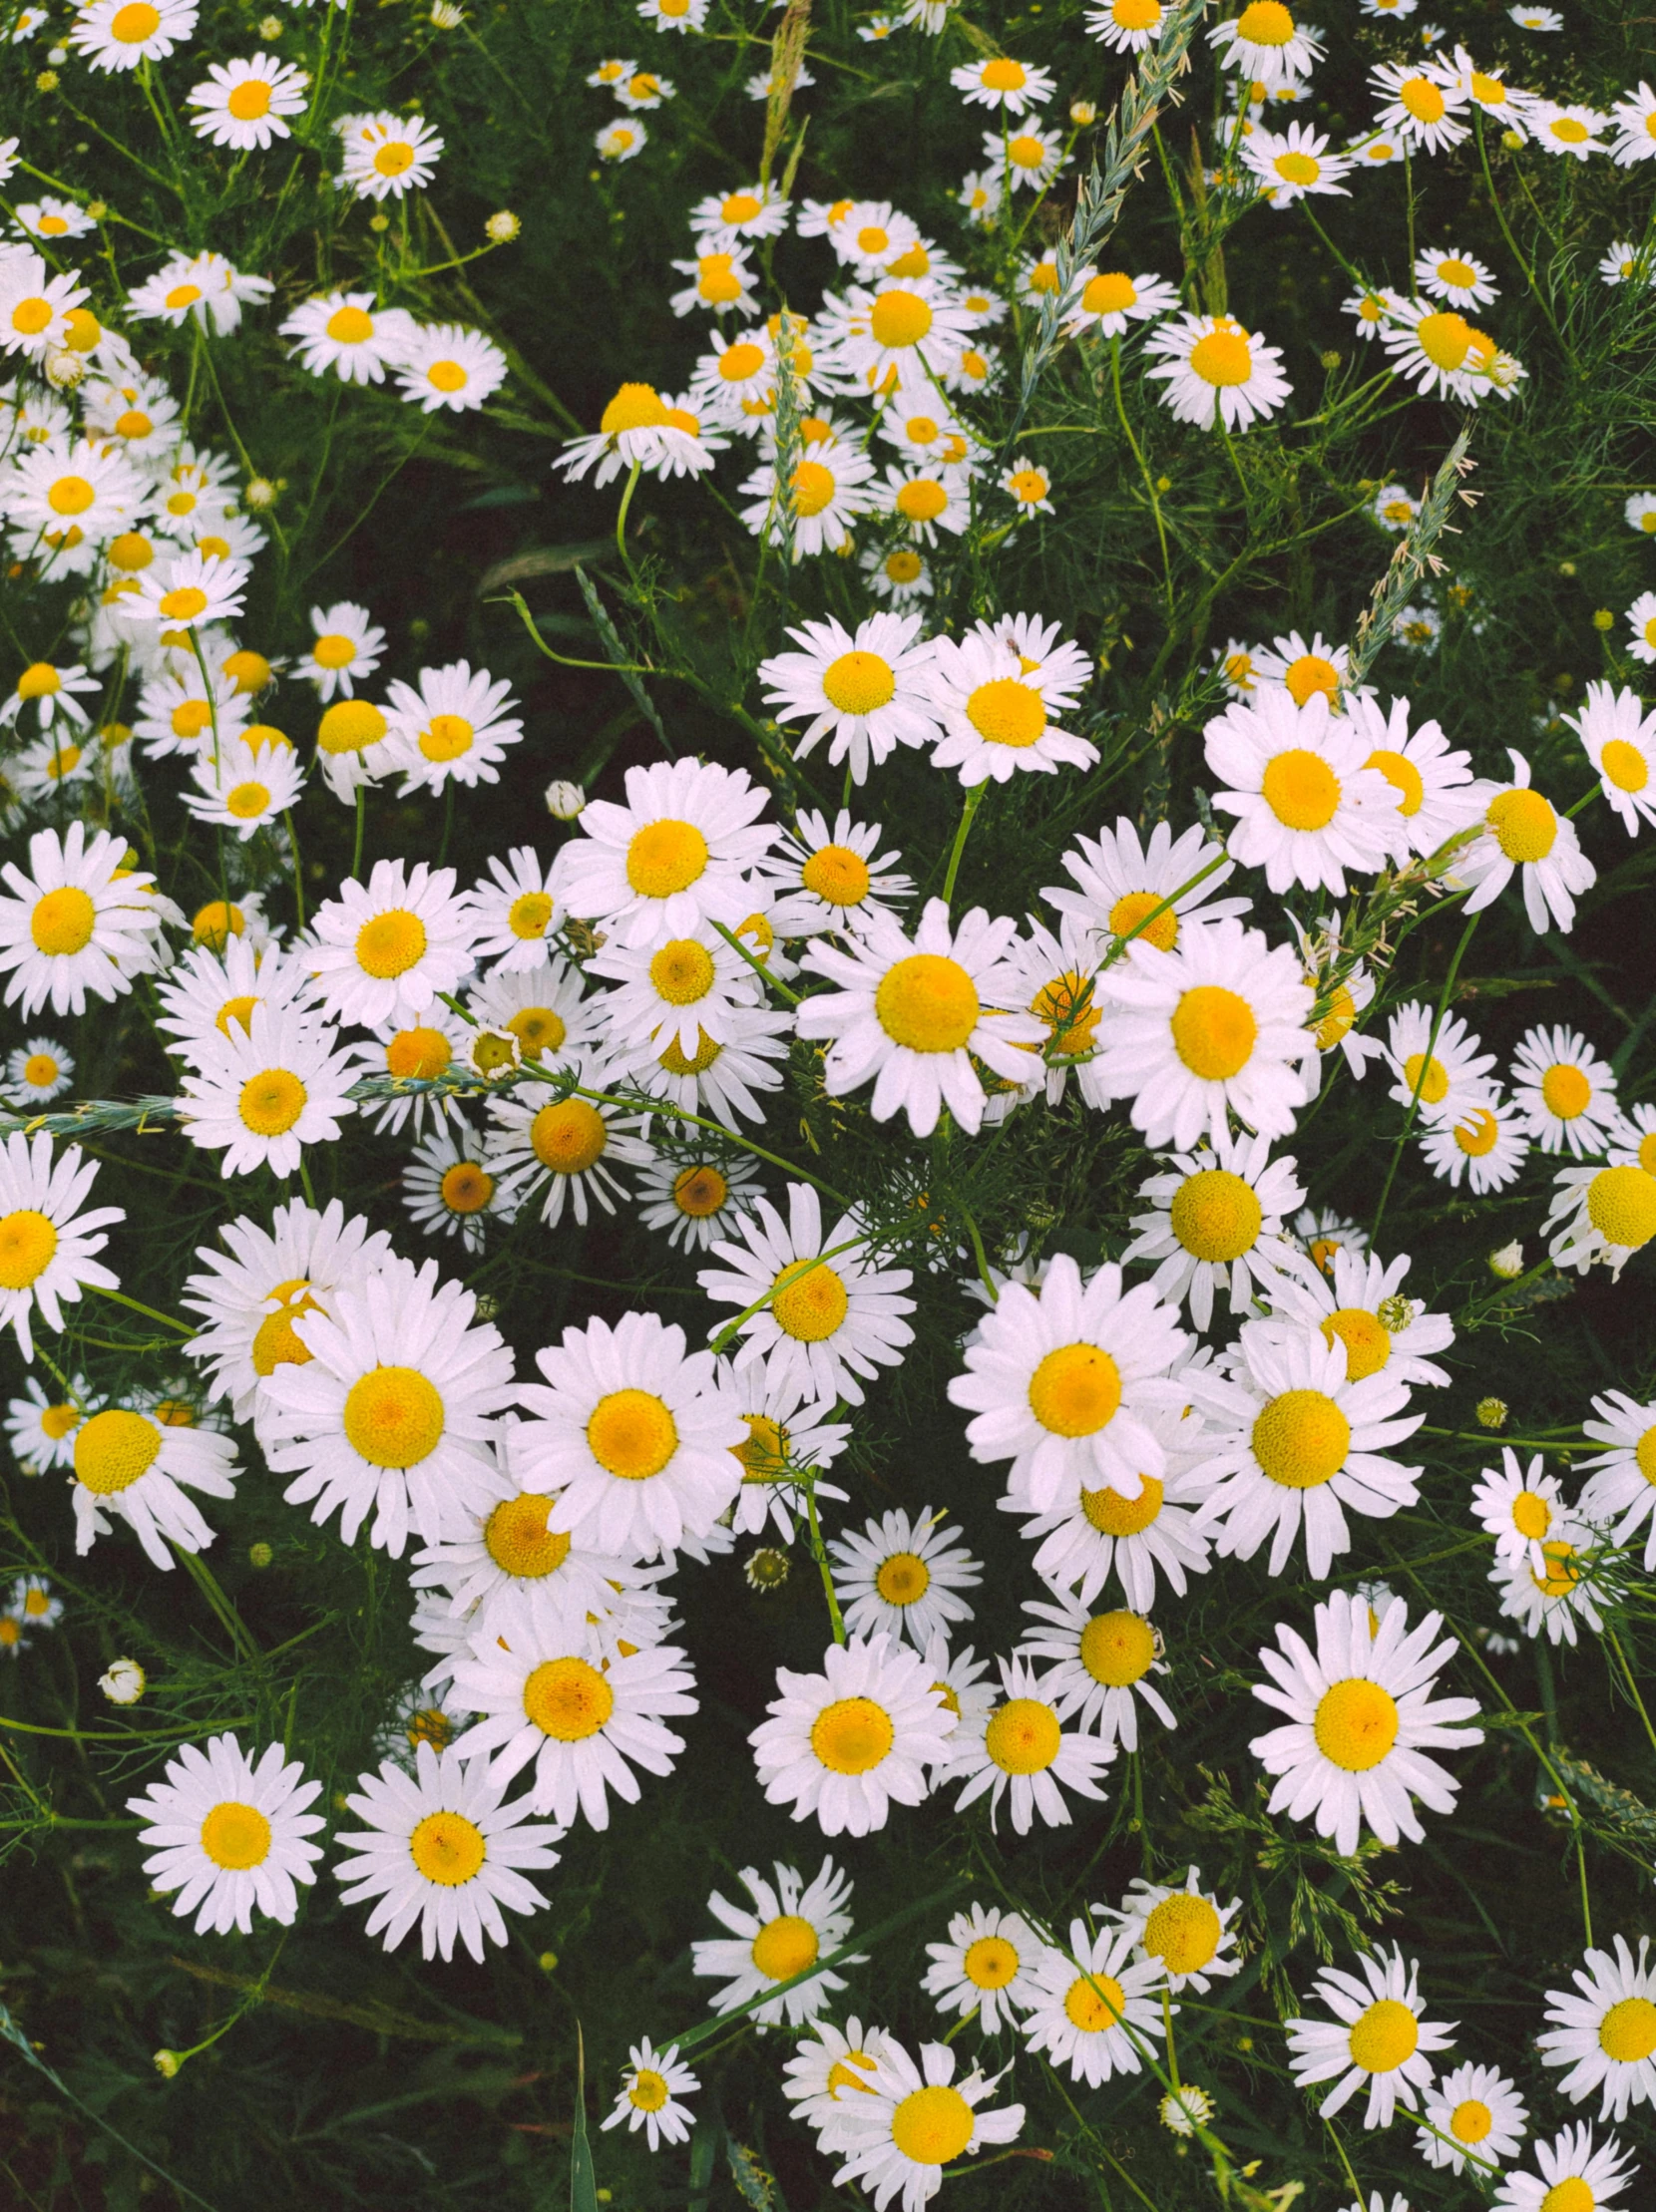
column 119, row 1298
column 973, row 800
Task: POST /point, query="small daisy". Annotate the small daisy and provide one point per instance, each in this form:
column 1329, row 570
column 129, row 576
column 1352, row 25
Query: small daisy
column 1022, row 1749
column 1553, row 1596
column 1266, row 44
column 509, row 1546
column 1378, row 2036
column 995, row 714
column 76, row 495
column 986, row 1968
column 244, row 790
column 540, row 1003
column 447, row 365
column 1622, row 1480
column 1029, row 486
column 1000, row 81
column 652, row 2083
column 52, row 692
column 914, row 2123
column 80, row 921
column 50, row 217
column 450, row 728
column 246, row 104
column 1103, row 1661
column 192, row 592
column 346, row 332
column 384, row 953
column 1358, row 1303
column 1423, row 109
column 38, row 1071
column 1568, row 1092
column 1082, row 1539
column 830, row 2065
column 1026, row 156
column 1216, row 373
column 40, row 1426
column 35, row 307
column 551, row 1146
column 1486, row 1139
column 1589, row 2179
column 695, row 1199
column 133, row 1466
column 1217, row 1224
column 32, row 1603
column 1293, row 164
column 902, row 1575
column 1121, row 884
column 826, row 492
column 785, row 1931
column 1110, row 303
column 120, row 33
column 842, row 1746
column 1437, row 349
column 1473, row 2116
column 1361, row 1716
column 1642, row 616
column 1096, row 2007
column 832, row 878
column 46, row 1241
column 1459, row 278
column 439, row 1847
column 1127, row 25
column 1437, row 797
column 260, row 1093
column 558, row 1692
column 449, row 1189
column 1565, row 130
column 1619, row 739
column 1185, row 1932
column 1606, row 2034
column 388, row 155
column 393, row 1411
column 1395, row 510
column 1308, row 807
column 1524, row 831
column 232, row 1834
column 1292, row 1440
column 788, row 1444
column 347, row 648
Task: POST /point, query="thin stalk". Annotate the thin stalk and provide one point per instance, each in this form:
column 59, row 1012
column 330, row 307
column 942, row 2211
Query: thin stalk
column 973, row 800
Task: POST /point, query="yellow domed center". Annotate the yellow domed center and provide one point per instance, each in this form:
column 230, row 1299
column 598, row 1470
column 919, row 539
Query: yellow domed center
column 113, row 1449
column 903, row 1578
column 810, row 1302
column 1572, row 2194
column 837, row 876
column 1421, row 98
column 921, row 501
column 933, row 2125
column 1356, row 1724
column 568, row 1700
column 28, row 1244
column 1214, row 1032
column 1130, row 910
column 1135, row 15
column 927, row 1003
column 528, row 916
column 418, row 1053
column 1621, row 1205
column 1297, row 168
column 701, row 1191
column 271, row 1102
column 649, row 2092
column 678, row 1062
column 1431, row 1085
column 277, row 1343
column 1301, row 1439
column 391, row 944
column 235, row 1836
column 1365, row 1337
column 69, row 495
column 1471, row 2120
column 665, row 857
column 1184, row 1932
column 1217, row 1216
column 1478, row 1134
column 813, row 487
column 1111, row 293
column 446, row 737
column 1095, row 2003
column 246, row 802
column 466, row 1187
column 136, row 22
column 682, row 972
column 1524, row 824
column 899, row 318
column 1400, row 771
column 447, row 1848
column 1301, row 789
column 516, row 1538
column 1117, row 1649
column 250, row 100
column 990, row 1963
column 1622, row 764
column 393, row 1417
column 1265, row 22
column 568, row 1137
column 1566, row 1090
column 786, row 1947
column 1076, row 1390
column 1008, row 711
column 631, row 1434
column 1223, row 357
column 63, row 922
column 852, row 1735
column 1024, row 1737
column 350, row 726
column 537, row 1029
column 1307, row 676
column 1112, row 1514
column 1384, row 2036
column 351, row 326
column 1627, row 2033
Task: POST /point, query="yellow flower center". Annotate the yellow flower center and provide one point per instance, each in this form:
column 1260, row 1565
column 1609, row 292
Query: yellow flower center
column 933, row 2125
column 1557, row 1575
column 1627, row 2033
column 1135, row 15
column 418, row 1053
column 852, row 1735
column 446, row 376
column 271, row 1102
column 678, row 1062
column 1025, row 151
column 990, row 1963
column 810, row 1302
column 1111, row 293
column 1217, row 1216
column 351, row 326
column 1076, row 1390
column 921, row 501
column 28, row 1242
column 1531, row 1515
column 539, row 1030
column 1471, row 2121
column 1214, row 1032
column 1301, row 1439
column 786, row 1947
column 350, row 726
column 391, row 944
column 1130, row 910
column 1568, row 130
column 41, row 680
column 701, row 1191
column 466, row 1187
column 1006, row 711
column 528, row 916
column 1028, row 486
column 57, row 1421
column 838, row 875
column 568, row 1137
column 631, row 1434
column 447, row 1848
column 69, row 495
column 1224, row 356
column 234, row 1836
column 1356, row 1724
column 1114, row 1515
column 394, row 159
column 1622, row 764
column 1095, row 2003
column 446, row 737
column 903, row 1578
column 765, row 1455
column 136, row 22
column 1265, row 22
column 899, row 318
column 1384, row 2036
column 927, row 1003
column 665, row 857
column 393, row 1417
column 277, row 1343
column 1401, row 773
column 1301, row 789
column 682, row 972
column 902, row 567
column 1003, row 75
column 1023, row 1736
column 1524, row 824
column 1572, row 2194
column 1183, row 1932
column 1566, row 1091
column 1117, row 1647
column 1365, row 1337
column 516, row 1538
column 568, row 1700
column 634, row 407
column 1431, row 1086
column 1295, row 168
column 63, row 922
column 649, row 2092
column 1421, row 98
column 113, row 1449
column 1621, row 1205
column 1341, row 1014
column 1477, row 1135
column 250, row 100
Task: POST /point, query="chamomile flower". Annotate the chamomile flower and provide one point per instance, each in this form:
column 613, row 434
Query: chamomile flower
column 896, row 330
column 1104, row 1663
column 35, row 307
column 542, row 1005
column 448, row 365
column 1565, row 129
column 192, row 592
column 1010, row 86
column 1474, row 2116
column 925, row 497
column 865, row 690
column 829, row 2067
column 450, row 728
column 383, row 952
column 120, row 33
column 724, row 222
column 1435, row 1063
column 246, row 104
column 38, row 1071
column 1308, row 805
column 1437, row 797
column 1460, row 278
column 832, row 878
column 386, row 156
column 1602, row 1214
column 1019, row 1750
column 844, row 1745
column 52, row 692
column 33, row 1605
column 1621, row 1482
column 1184, row 1932
column 1568, row 1092
column 51, row 217
column 994, row 714
column 1216, row 1223
column 1082, row 1539
column 393, row 1411
column 80, row 921
column 1127, row 25
column 1520, row 1509
column 670, row 859
column 1110, row 301
column 915, row 2121
column 1524, row 831
column 1121, row 884
column 696, row 1198
column 232, row 1836
column 1606, row 2034
column 1266, row 44
column 46, row 1241
column 1486, row 1139
column 986, row 1968
column 1379, row 2037
column 1358, row 1301
column 787, row 1444
column 241, row 789
column 1024, row 154
column 560, row 1694
column 1213, row 1024
column 1292, row 1441
column 903, row 1575
column 73, row 496
column 652, row 2083
column 1619, row 739
column 347, row 333
column 554, row 1148
column 1424, row 107
column 41, row 1425
column 1635, row 115
column 1215, row 372
column 263, row 1089
column 1591, row 2177
column 1642, row 616
column 439, row 1846
column 448, row 1186
column 783, row 1931
column 1395, row 510
column 828, row 488
column 203, row 288
column 1096, row 2007
column 348, row 645
column 832, row 1318
column 1437, row 349
column 1294, row 163
column 1552, row 1596
column 139, row 1469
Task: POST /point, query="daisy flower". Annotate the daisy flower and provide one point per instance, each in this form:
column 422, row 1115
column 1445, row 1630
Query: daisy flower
column 1187, row 1932
column 1635, row 115
column 388, row 155
column 1358, row 1301
column 1378, row 2036
column 1307, row 805
column 51, row 691
column 1019, row 1749
column 1566, row 1090
column 80, row 921
column 1395, row 510
column 902, row 1575
column 192, row 592
column 347, row 646
column 1096, row 2007
column 38, row 1071
column 1081, row 1539
column 785, row 1931
column 346, row 332
column 32, row 1603
column 450, row 728
column 864, row 691
column 1028, row 486
column 915, row 2121
column 1590, row 2178
column 826, row 493
column 1520, row 1510
column 994, row 716
column 76, row 495
column 560, row 1692
column 1213, row 1024
column 383, row 953
column 1484, row 1139
column 447, row 365
column 439, row 1847
column 1524, row 831
column 1424, row 107
column 1437, row 797
column 40, row 1428
column 561, row 1147
column 1292, row 1440
column 542, row 1005
column 1565, row 130
column 118, row 34
column 1216, row 1223
column 1293, row 164
column 447, row 1187
column 844, row 1745
column 633, row 1436
column 242, row 789
column 1121, row 884
column 1266, row 44
column 986, row 1968
column 1104, row 1661
column 1473, row 2116
column 1445, row 1073
column 723, row 280
column 634, row 430
column 1461, row 278
column 676, row 15
column 35, row 307
column 1553, row 1595
column 695, row 1199
column 1360, row 1718
column 1026, row 156
column 925, row 497
column 670, row 859
column 1606, row 2034
column 246, row 104
column 1127, row 25
column 1216, row 373
column 230, row 1834
column 827, row 2064
column 832, row 878
column 1000, row 81
column 652, row 2083
column 199, row 287
column 46, row 1241
column 893, row 332
column 1642, row 616
column 1445, row 355
column 263, row 1091
column 1620, row 741
column 1622, row 1480
column 49, row 216
column 393, row 1411
column 139, row 1469
column 832, row 1318
column 788, row 1444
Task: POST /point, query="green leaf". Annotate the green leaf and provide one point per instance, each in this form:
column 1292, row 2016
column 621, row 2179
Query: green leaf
column 583, row 2174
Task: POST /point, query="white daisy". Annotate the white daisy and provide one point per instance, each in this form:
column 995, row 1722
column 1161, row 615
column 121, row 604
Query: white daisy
column 1622, row 1480
column 1096, row 2007
column 1215, row 372
column 785, row 1932
column 1110, row 303
column 1308, row 805
column 346, row 332
column 450, row 728
column 986, row 1968
column 515, row 916
column 695, row 1197
column 652, row 2083
column 902, row 1575
column 1121, row 884
column 128, row 1464
column 388, row 155
column 1566, row 1090
column 864, row 691
column 1378, row 2035
column 1473, row 2117
column 843, row 1745
column 447, row 365
column 1423, row 107
column 1486, row 1139
column 787, row 1446
column 562, row 1149
column 260, row 1093
column 1104, row 1661
column 46, row 1241
column 670, row 859
column 1642, row 616
column 1021, row 1750
column 1435, row 794
column 1216, row 1223
column 1522, row 829
column 1565, row 129
column 1591, row 2178
column 1606, row 2034
column 1562, row 1589
column 1024, row 156
column 832, row 878
column 828, row 488
column 1000, row 81
column 1443, row 1073
column 1081, row 1539
column 541, row 1004
column 38, row 1071
column 1266, row 44
column 1358, row 1301
column 232, row 1835
column 915, row 2121
column 41, row 1425
column 118, row 34
column 448, row 1188
column 1635, row 115
column 994, row 716
column 1619, row 739
column 243, row 788
column 245, row 102
column 382, row 952
column 79, row 920
column 1127, row 25
column 439, row 1847
column 1184, row 1932
column 51, row 691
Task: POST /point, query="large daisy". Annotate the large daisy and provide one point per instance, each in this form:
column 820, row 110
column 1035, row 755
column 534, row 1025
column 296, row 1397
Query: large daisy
column 984, row 1970
column 78, row 922
column 672, row 857
column 862, row 689
column 1379, row 2037
column 260, row 1094
column 915, row 2121
column 1308, row 805
column 1525, row 831
column 1185, row 1932
column 784, row 1929
column 384, row 951
column 232, row 1835
column 1215, row 373
column 1019, row 1749
column 1096, row 2007
column 844, row 1745
column 995, row 715
column 1216, row 1223
column 1566, row 1090
column 1473, row 2117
